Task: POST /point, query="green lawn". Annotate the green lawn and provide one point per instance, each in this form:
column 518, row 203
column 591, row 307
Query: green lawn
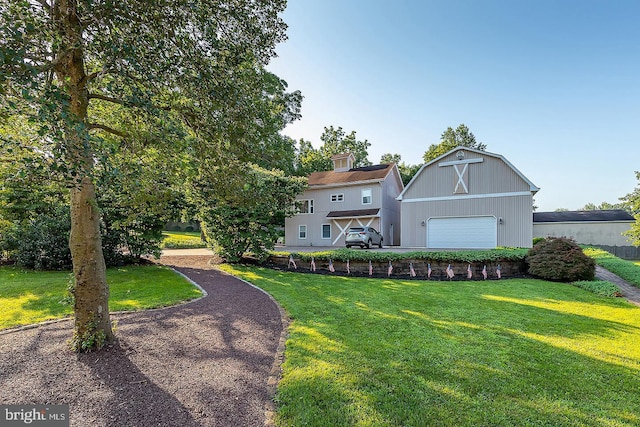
column 182, row 240
column 34, row 296
column 627, row 270
column 373, row 352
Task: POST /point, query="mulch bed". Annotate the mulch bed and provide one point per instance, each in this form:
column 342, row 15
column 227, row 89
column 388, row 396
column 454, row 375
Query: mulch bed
column 211, row 362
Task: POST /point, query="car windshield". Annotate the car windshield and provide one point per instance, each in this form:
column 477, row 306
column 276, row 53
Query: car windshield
column 356, row 230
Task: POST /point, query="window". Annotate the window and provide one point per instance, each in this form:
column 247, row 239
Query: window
column 304, row 206
column 302, row 232
column 326, row 231
column 366, row 196
column 337, row 197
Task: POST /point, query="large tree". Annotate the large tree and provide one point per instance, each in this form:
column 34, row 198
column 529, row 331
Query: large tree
column 63, row 63
column 334, row 141
column 450, row 139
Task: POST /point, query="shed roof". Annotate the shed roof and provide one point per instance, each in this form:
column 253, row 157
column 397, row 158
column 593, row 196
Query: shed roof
column 353, row 213
column 366, row 173
column 583, row 216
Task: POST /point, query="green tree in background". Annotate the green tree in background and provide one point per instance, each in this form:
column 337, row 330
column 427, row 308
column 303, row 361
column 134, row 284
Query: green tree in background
column 334, row 141
column 632, row 202
column 407, row 172
column 248, row 214
column 450, row 139
column 602, row 206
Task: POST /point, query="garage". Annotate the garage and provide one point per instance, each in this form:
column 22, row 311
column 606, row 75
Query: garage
column 476, row 232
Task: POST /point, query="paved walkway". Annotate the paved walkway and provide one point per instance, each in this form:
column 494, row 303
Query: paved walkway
column 630, row 292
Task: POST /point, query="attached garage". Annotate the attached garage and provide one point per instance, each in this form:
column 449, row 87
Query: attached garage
column 477, row 232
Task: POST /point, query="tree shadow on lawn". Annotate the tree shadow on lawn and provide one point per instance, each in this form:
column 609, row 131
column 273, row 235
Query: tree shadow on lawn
column 487, row 361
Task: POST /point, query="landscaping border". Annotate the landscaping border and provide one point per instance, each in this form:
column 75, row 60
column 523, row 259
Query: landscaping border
column 401, row 268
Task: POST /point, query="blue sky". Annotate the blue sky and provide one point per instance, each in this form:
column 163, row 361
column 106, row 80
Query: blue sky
column 554, row 86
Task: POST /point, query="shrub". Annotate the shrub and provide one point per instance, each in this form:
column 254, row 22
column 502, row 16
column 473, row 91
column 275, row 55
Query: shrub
column 560, row 259
column 43, row 244
column 599, row 287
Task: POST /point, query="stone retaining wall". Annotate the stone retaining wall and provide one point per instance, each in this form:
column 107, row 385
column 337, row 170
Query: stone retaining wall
column 401, row 269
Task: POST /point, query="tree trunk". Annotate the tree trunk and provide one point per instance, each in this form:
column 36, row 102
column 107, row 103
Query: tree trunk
column 91, row 292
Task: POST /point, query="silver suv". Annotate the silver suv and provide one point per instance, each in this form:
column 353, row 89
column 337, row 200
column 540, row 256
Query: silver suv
column 363, row 237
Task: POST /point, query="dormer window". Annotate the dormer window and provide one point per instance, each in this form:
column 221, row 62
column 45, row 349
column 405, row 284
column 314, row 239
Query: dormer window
column 343, row 162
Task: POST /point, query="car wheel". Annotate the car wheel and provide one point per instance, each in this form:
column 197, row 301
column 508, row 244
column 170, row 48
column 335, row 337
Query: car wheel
column 348, row 247
column 380, row 244
column 368, row 244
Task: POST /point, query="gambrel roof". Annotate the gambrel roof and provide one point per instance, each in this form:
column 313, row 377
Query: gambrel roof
column 438, row 161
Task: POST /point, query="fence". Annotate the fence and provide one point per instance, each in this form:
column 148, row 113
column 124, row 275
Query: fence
column 624, row 252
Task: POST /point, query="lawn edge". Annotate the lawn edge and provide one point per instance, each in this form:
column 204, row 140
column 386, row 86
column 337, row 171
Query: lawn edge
column 69, row 317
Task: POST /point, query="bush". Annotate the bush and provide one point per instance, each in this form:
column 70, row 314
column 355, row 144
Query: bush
column 560, row 259
column 42, row 244
column 599, row 287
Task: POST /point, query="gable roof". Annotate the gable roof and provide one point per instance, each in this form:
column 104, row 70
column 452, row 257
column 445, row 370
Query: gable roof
column 583, row 216
column 534, row 189
column 353, row 175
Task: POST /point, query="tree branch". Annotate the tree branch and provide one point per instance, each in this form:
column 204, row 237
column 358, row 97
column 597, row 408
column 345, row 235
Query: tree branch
column 97, row 74
column 108, row 129
column 106, row 98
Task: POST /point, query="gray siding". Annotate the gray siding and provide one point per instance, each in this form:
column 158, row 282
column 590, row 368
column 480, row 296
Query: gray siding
column 516, row 212
column 383, row 197
column 493, row 188
column 390, row 213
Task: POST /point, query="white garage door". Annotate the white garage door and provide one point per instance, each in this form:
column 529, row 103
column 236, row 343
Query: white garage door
column 476, row 232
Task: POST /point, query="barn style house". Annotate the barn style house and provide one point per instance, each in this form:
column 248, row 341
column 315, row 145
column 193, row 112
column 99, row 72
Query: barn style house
column 467, row 199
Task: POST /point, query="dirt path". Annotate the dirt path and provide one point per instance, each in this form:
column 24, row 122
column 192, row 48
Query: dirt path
column 207, row 363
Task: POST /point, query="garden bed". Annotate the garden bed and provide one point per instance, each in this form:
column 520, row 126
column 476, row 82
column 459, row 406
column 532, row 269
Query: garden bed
column 499, row 263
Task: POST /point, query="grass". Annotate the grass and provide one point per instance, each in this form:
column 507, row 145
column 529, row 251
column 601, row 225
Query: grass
column 627, row 270
column 600, row 287
column 374, row 352
column 28, row 297
column 182, row 240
